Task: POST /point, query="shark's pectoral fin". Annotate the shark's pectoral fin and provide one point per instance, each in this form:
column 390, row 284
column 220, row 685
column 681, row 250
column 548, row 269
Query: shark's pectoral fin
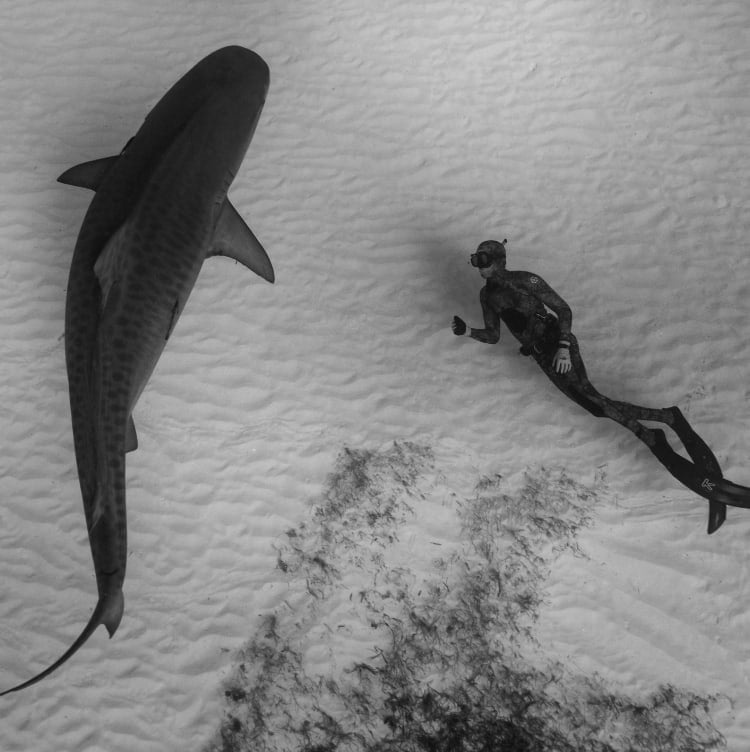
column 131, row 438
column 233, row 238
column 88, row 174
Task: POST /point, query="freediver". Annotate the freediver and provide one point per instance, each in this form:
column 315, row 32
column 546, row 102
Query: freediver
column 541, row 321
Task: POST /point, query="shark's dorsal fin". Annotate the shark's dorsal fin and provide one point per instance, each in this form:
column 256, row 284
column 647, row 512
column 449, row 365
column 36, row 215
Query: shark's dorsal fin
column 233, row 238
column 88, row 174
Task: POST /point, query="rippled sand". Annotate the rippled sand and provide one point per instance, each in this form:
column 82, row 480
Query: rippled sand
column 607, row 141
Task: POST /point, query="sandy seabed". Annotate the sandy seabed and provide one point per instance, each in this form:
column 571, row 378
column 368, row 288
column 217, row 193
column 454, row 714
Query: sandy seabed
column 324, row 471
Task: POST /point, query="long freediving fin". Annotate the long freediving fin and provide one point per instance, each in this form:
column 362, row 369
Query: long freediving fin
column 695, row 478
column 717, row 513
column 704, row 458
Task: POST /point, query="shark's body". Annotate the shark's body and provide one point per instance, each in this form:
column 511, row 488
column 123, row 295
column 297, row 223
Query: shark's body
column 160, row 209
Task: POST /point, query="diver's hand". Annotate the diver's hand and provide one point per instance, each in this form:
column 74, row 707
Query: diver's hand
column 561, row 362
column 458, row 326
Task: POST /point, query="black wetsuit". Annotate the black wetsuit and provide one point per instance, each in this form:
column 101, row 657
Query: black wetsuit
column 541, row 321
column 521, row 300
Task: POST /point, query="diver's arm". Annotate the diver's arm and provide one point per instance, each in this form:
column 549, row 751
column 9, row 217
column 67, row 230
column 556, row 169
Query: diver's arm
column 491, row 332
column 543, row 292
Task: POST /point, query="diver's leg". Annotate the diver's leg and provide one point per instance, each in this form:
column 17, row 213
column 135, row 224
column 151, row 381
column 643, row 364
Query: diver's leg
column 672, row 416
column 614, row 409
column 576, row 385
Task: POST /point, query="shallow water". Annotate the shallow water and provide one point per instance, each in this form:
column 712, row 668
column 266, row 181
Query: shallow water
column 606, row 142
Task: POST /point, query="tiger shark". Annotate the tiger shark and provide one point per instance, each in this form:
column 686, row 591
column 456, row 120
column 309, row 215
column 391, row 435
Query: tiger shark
column 160, row 208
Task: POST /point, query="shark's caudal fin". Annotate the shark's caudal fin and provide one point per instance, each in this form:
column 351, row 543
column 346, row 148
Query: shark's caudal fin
column 233, row 238
column 88, row 174
column 108, row 611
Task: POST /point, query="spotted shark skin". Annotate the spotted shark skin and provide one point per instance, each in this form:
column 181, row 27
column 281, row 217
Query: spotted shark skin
column 159, row 210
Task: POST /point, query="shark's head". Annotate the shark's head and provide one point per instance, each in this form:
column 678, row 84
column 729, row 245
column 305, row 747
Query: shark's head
column 232, row 73
column 233, row 65
column 220, row 99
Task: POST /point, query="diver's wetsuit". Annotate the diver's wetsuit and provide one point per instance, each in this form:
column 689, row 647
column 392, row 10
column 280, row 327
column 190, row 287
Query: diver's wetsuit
column 521, row 301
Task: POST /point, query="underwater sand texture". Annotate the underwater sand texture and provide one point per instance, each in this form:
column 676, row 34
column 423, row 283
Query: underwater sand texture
column 607, row 141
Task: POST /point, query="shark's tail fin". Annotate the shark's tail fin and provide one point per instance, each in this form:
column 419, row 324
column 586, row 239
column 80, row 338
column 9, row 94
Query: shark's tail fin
column 108, row 611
